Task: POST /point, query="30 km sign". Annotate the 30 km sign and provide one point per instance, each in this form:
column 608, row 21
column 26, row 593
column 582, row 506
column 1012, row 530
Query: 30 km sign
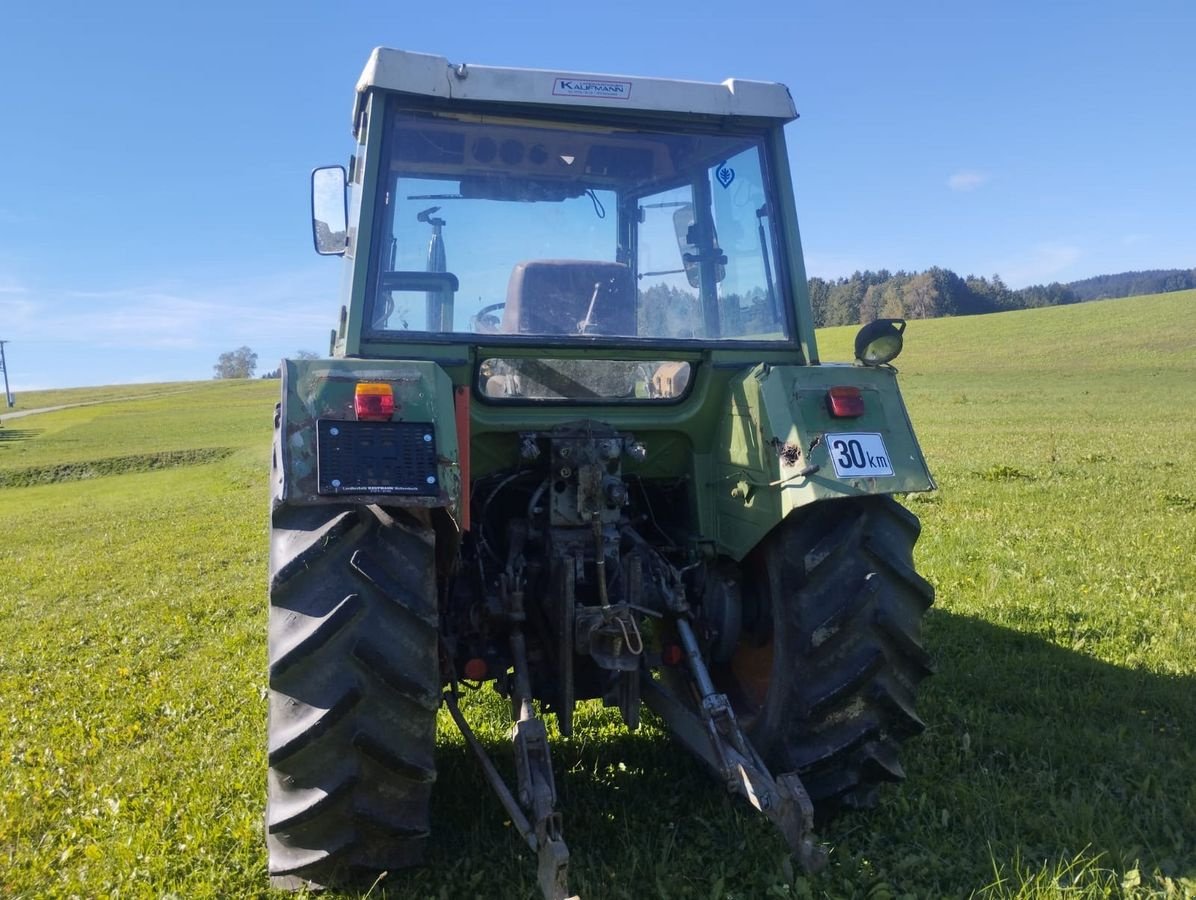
column 857, row 455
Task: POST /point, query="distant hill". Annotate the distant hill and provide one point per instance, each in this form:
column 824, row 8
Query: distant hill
column 939, row 292
column 1113, row 337
column 1133, row 284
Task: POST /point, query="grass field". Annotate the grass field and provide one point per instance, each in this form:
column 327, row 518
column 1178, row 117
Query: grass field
column 1060, row 758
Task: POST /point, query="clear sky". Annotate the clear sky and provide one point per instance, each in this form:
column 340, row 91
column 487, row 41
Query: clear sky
column 155, row 157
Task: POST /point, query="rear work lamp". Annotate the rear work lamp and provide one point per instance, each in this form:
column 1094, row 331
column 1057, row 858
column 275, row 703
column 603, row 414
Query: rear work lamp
column 879, row 341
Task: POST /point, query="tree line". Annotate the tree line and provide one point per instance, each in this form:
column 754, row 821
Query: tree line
column 1131, row 284
column 857, row 300
column 242, row 363
column 869, row 295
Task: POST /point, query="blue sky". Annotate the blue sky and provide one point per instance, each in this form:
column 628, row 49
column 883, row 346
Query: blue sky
column 155, row 157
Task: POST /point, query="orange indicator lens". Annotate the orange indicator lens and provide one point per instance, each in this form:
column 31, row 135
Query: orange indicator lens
column 373, row 402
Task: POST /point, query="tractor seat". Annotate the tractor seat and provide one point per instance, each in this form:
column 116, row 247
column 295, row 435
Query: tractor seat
column 570, row 296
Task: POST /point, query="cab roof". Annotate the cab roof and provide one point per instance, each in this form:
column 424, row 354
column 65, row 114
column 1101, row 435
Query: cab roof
column 434, row 76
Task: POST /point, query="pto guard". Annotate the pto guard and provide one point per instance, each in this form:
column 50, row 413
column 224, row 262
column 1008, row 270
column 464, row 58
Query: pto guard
column 782, row 449
column 322, row 454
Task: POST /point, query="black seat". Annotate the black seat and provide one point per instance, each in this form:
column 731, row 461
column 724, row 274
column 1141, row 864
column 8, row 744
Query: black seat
column 570, row 296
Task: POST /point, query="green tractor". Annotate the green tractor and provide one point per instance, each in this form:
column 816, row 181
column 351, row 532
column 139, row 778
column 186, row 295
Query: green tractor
column 574, row 438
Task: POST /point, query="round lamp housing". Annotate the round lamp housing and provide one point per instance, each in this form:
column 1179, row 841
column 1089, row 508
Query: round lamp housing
column 879, row 341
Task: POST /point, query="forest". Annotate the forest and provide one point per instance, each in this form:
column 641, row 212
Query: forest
column 870, row 295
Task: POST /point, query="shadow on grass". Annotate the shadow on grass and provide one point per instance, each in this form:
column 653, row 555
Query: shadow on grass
column 1034, row 755
column 12, row 435
column 1038, row 753
column 641, row 819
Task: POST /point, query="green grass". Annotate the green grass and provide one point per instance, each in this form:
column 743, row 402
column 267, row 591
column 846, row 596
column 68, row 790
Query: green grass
column 1060, row 757
column 26, row 400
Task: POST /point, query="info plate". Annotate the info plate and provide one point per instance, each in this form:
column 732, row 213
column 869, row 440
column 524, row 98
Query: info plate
column 376, row 458
column 860, row 454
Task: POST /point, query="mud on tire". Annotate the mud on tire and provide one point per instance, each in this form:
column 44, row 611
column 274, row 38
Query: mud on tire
column 354, row 689
column 826, row 685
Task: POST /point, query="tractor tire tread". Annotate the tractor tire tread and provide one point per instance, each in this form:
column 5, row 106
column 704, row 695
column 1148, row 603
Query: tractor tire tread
column 353, row 657
column 853, row 608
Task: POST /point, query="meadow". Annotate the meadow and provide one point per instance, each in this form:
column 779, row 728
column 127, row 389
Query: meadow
column 1060, row 757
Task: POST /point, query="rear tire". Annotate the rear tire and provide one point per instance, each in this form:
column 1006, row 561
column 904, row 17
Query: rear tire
column 825, row 680
column 354, row 689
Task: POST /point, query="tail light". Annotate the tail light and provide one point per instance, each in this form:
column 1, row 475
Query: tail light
column 845, row 402
column 373, row 402
column 476, row 669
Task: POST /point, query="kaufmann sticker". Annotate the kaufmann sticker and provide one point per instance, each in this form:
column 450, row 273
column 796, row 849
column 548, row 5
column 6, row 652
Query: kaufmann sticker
column 588, row 87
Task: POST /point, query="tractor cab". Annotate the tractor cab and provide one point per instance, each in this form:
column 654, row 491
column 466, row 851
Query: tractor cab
column 495, row 206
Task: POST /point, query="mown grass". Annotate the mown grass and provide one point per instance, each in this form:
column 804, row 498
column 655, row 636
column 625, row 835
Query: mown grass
column 1059, row 759
column 130, row 656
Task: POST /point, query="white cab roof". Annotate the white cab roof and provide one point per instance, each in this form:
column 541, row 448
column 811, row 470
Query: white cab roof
column 435, row 76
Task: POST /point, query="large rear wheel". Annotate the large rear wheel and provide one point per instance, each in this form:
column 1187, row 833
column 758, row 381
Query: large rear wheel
column 354, row 689
column 824, row 675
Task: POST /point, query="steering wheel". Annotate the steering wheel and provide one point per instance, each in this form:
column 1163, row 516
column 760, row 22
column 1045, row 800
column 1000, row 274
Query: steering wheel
column 485, row 321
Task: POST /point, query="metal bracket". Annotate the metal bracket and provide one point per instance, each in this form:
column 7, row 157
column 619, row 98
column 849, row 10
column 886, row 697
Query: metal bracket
column 714, row 736
column 533, row 768
column 537, row 794
column 536, row 787
column 563, row 576
column 552, row 863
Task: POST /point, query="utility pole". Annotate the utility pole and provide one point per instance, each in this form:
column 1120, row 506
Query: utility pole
column 4, row 368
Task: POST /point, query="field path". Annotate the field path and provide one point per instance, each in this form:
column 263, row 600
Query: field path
column 31, row 412
column 45, row 409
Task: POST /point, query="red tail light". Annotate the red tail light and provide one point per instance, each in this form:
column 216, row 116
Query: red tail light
column 845, row 402
column 373, row 402
column 476, row 669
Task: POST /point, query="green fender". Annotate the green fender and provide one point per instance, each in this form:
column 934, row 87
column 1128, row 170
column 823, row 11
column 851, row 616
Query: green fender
column 781, row 448
column 323, row 389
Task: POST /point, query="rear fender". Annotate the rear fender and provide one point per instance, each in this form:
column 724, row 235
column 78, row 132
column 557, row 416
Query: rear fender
column 321, row 390
column 781, row 448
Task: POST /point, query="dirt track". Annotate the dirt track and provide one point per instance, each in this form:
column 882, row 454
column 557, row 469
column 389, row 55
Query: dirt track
column 29, row 412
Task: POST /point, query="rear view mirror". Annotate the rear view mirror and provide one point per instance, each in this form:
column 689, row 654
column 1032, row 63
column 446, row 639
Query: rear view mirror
column 697, row 247
column 328, row 218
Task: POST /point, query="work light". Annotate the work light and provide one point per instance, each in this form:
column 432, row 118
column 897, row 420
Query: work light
column 879, row 341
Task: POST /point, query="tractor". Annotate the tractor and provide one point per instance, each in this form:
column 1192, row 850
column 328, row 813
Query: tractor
column 573, row 438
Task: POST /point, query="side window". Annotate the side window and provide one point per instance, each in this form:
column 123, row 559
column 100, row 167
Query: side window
column 667, row 295
column 748, row 302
